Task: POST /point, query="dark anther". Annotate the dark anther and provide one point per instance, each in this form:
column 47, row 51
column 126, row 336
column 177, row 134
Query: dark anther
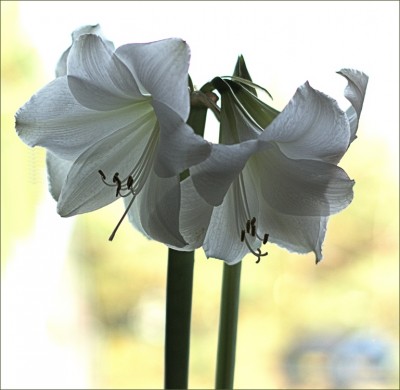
column 253, row 221
column 253, row 230
column 118, row 182
column 242, row 236
column 265, row 240
column 248, row 226
column 129, row 182
column 103, row 176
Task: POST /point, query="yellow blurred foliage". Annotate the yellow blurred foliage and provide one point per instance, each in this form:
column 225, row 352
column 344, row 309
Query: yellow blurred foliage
column 22, row 168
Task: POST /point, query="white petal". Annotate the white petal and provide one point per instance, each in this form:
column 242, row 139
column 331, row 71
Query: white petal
column 57, row 171
column 311, row 126
column 155, row 211
column 300, row 234
column 84, row 190
column 213, row 177
column 162, row 68
column 195, row 215
column 301, row 187
column 355, row 93
column 91, row 29
column 61, row 68
column 179, row 147
column 97, row 78
column 294, row 233
column 52, row 118
column 223, row 239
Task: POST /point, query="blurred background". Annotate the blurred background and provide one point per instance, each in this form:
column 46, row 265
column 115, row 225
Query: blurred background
column 81, row 312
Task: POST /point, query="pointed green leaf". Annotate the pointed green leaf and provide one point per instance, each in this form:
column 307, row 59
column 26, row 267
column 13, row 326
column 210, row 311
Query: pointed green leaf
column 242, row 72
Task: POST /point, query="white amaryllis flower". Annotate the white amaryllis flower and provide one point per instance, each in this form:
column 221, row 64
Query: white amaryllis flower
column 118, row 119
column 275, row 175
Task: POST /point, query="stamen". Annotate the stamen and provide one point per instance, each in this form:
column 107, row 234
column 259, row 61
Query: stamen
column 251, row 229
column 118, row 182
column 103, row 176
column 248, row 226
column 258, row 254
column 133, row 182
column 129, row 182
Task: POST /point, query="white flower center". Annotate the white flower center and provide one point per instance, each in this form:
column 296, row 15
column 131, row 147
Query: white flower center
column 246, row 222
column 133, row 183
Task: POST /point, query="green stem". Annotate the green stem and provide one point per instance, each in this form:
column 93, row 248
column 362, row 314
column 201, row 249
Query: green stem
column 228, row 326
column 180, row 287
column 178, row 315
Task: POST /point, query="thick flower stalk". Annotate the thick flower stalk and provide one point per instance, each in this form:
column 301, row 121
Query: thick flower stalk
column 274, row 176
column 115, row 126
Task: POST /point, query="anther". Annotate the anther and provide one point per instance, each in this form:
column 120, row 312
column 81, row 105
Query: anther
column 116, row 178
column 103, row 176
column 251, row 229
column 129, row 182
column 117, row 181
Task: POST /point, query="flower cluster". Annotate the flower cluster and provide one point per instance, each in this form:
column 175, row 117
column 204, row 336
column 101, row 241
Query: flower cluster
column 115, row 125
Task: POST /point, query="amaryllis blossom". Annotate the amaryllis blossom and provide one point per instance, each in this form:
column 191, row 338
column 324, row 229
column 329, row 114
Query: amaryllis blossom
column 274, row 177
column 115, row 126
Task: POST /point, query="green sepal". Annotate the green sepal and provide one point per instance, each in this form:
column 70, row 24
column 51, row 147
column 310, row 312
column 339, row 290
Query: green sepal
column 197, row 121
column 242, row 72
column 261, row 112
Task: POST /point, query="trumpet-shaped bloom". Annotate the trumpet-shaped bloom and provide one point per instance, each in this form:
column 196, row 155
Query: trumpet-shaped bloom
column 274, row 177
column 115, row 126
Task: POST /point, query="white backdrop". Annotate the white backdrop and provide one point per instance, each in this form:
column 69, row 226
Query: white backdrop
column 284, row 43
